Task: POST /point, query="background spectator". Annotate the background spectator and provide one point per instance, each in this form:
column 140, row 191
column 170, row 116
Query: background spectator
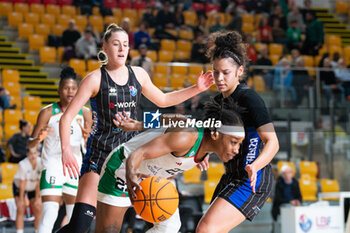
column 294, row 37
column 148, row 17
column 86, row 46
column 343, row 75
column 142, row 60
column 278, row 33
column 217, row 26
column 264, row 60
column 295, row 54
column 301, row 81
column 202, row 26
column 264, row 33
column 284, row 77
column 18, row 142
column 278, row 14
column 125, row 24
column 5, row 100
column 314, row 35
column 179, row 17
column 199, row 49
column 296, row 16
column 286, row 192
column 236, row 21
column 69, row 37
column 251, row 52
column 141, row 36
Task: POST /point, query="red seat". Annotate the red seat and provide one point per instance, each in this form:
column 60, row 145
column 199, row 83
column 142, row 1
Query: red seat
column 53, row 2
column 212, row 7
column 197, row 6
column 139, row 5
column 65, row 2
column 18, row 1
column 34, row 1
column 110, row 3
column 125, row 4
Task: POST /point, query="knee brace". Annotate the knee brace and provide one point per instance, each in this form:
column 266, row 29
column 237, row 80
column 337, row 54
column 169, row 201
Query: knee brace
column 48, row 216
column 69, row 211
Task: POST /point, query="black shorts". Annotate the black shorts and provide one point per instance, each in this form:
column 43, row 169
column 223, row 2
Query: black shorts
column 239, row 193
column 15, row 190
column 93, row 161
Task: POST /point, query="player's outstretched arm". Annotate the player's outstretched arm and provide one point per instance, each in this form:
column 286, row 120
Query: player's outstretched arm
column 41, row 130
column 154, row 94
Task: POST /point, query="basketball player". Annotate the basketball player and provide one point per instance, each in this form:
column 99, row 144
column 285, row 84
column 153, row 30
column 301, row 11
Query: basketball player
column 115, row 87
column 248, row 180
column 26, row 182
column 53, row 183
column 162, row 152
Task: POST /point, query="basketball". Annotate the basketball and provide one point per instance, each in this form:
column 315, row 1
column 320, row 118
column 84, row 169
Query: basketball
column 157, row 201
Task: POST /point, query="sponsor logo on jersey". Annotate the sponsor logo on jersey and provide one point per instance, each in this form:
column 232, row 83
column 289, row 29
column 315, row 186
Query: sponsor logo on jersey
column 57, row 110
column 153, row 169
column 133, row 90
column 179, row 163
column 130, row 104
column 52, row 180
column 112, row 91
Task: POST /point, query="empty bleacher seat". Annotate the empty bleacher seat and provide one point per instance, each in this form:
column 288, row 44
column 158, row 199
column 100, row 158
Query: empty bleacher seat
column 36, row 42
column 6, row 191
column 31, row 18
column 32, row 103
column 97, row 22
column 31, row 116
column 10, row 129
column 8, row 171
column 165, row 56
column 68, row 10
column 183, row 70
column 192, row 176
column 58, row 30
column 184, row 45
column 281, row 163
column 168, row 45
column 78, row 65
column 181, row 55
column 259, row 83
column 308, row 189
column 48, row 19
column 177, row 81
column 5, row 8
column 152, row 55
column 15, row 18
column 161, row 69
column 21, row 7
column 53, row 9
column 341, row 6
column 93, row 65
column 160, row 80
column 329, row 186
column 13, row 87
column 275, row 49
column 190, row 18
column 37, row 8
column 47, row 54
column 308, row 167
column 186, row 34
column 209, row 188
column 63, row 20
column 215, row 171
column 42, row 29
column 25, row 30
column 10, row 75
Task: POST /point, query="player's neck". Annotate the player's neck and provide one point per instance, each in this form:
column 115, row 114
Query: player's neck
column 63, row 106
column 207, row 146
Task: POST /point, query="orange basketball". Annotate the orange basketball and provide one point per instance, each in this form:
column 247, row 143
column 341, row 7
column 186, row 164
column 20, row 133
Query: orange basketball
column 158, row 199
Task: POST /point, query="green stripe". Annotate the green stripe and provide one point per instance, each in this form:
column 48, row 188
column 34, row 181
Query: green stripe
column 45, row 185
column 196, row 146
column 107, row 184
column 80, row 112
column 55, row 108
column 70, row 186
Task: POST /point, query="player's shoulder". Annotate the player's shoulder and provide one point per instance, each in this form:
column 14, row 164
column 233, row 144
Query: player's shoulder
column 47, row 109
column 138, row 70
column 93, row 76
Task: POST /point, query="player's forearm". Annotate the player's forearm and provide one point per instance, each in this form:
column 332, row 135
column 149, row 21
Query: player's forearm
column 177, row 97
column 270, row 149
column 65, row 133
column 33, row 142
column 134, row 161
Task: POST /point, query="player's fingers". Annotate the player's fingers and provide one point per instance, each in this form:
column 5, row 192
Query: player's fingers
column 126, row 116
column 69, row 171
column 64, row 169
column 116, row 122
column 199, row 166
column 121, row 116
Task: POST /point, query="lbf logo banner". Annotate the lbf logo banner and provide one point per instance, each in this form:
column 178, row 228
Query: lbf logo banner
column 151, row 120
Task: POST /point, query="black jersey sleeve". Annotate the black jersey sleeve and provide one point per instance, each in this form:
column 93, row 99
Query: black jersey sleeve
column 256, row 108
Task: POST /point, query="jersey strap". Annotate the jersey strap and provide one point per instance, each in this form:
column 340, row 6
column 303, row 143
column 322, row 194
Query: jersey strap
column 56, row 109
column 197, row 144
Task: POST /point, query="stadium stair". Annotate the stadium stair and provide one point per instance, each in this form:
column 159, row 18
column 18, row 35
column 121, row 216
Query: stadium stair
column 333, row 25
column 32, row 79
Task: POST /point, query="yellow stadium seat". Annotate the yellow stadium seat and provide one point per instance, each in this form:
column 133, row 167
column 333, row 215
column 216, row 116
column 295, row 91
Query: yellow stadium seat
column 177, row 81
column 93, row 65
column 181, row 55
column 192, row 176
column 308, row 189
column 173, row 32
column 228, row 18
column 117, row 12
column 151, row 31
column 168, row 45
column 1, row 132
column 31, row 18
column 131, row 14
column 196, row 69
column 341, row 6
column 190, row 18
column 161, row 69
column 347, row 55
column 15, row 18
column 96, row 10
column 63, row 20
column 110, row 19
column 275, row 49
column 6, row 191
column 81, row 21
column 10, row 129
column 309, row 167
column 58, row 29
column 323, row 50
column 16, row 100
column 184, row 45
column 274, row 59
column 47, row 54
column 247, row 28
column 257, row 20
column 165, row 56
column 258, row 46
column 192, row 78
column 53, row 9
column 5, row 8
column 308, row 60
column 78, row 65
column 60, row 51
column 335, row 49
column 183, row 70
column 333, row 40
column 8, row 171
column 68, row 10
column 250, row 82
column 12, row 116
column 208, row 67
column 36, row 42
column 215, row 171
column 10, row 75
column 133, row 53
column 32, row 103
column 25, row 30
column 31, row 116
column 97, row 22
column 21, row 7
column 37, row 8
column 186, row 34
column 160, row 80
column 212, row 19
column 152, row 55
column 290, row 164
column 42, row 29
column 209, row 188
column 248, row 18
column 48, row 19
column 13, row 87
column 259, row 83
column 329, row 186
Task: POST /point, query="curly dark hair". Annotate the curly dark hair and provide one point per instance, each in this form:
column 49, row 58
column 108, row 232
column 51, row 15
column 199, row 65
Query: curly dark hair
column 67, row 73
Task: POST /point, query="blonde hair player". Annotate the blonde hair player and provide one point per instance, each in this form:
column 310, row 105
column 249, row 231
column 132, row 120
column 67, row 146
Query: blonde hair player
column 115, row 87
column 54, row 185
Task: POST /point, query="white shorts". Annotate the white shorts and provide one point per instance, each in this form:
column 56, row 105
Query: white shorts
column 54, row 183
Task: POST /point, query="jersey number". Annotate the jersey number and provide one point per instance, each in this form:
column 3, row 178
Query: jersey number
column 121, row 185
column 71, row 130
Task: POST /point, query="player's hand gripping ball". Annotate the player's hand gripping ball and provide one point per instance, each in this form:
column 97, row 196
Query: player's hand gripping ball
column 157, row 201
